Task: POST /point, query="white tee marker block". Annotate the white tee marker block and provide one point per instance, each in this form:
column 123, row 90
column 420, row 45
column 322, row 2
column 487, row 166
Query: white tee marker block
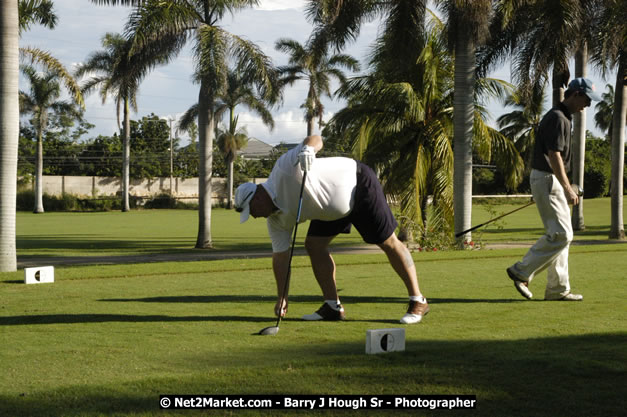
column 385, row 340
column 39, row 275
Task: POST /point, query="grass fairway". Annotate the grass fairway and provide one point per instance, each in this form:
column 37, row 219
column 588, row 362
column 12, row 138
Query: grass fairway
column 174, row 231
column 139, row 232
column 108, row 340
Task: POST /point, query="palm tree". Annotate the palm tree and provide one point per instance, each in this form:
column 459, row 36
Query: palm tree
column 313, row 64
column 609, row 51
column 239, row 91
column 36, row 11
column 45, row 91
column 168, row 25
column 229, row 142
column 9, row 131
column 400, row 121
column 542, row 35
column 604, row 111
column 15, row 17
column 467, row 30
column 118, row 73
column 520, row 125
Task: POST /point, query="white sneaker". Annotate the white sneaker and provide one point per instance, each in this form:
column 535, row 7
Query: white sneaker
column 568, row 297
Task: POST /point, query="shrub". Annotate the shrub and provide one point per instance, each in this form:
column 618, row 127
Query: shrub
column 25, row 201
column 166, row 201
column 596, row 181
column 597, row 169
column 162, row 201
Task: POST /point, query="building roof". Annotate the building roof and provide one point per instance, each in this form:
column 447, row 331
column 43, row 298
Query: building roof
column 256, row 149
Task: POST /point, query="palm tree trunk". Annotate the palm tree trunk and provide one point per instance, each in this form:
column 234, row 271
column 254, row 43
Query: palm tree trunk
column 39, row 169
column 579, row 140
column 9, row 131
column 205, row 142
column 126, row 159
column 311, row 123
column 560, row 78
column 463, row 118
column 229, row 203
column 617, row 228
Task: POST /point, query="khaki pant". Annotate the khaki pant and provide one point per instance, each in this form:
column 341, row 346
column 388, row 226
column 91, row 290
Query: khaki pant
column 551, row 250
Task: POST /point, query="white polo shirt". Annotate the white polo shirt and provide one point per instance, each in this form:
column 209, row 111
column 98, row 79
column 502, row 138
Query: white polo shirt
column 328, row 195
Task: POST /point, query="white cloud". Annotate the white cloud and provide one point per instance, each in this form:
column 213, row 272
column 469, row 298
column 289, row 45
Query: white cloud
column 280, row 4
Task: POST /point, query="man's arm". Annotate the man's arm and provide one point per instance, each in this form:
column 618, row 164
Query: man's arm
column 315, row 141
column 280, row 262
column 557, row 165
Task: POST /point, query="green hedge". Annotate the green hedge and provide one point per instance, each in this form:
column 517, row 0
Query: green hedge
column 25, row 201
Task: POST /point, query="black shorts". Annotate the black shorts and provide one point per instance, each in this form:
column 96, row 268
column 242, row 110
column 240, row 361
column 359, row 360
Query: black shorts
column 371, row 213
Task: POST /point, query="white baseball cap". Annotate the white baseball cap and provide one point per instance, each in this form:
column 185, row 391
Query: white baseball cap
column 243, row 194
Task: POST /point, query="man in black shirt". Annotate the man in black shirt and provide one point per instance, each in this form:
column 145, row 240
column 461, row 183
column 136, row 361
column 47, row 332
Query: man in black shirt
column 553, row 193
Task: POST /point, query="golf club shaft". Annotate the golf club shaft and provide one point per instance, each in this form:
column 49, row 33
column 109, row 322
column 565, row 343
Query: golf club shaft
column 492, row 220
column 289, row 263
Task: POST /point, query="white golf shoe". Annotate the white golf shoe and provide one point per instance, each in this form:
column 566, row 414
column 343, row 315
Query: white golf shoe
column 415, row 312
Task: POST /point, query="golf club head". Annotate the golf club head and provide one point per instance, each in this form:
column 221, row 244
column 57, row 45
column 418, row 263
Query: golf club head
column 269, row 331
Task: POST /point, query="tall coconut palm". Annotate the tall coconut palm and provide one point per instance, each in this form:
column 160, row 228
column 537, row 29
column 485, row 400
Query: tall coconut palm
column 9, row 131
column 468, row 25
column 312, row 63
column 609, row 51
column 119, row 73
column 543, row 35
column 467, row 28
column 579, row 139
column 168, row 25
column 400, row 120
column 15, row 17
column 45, row 90
column 239, row 91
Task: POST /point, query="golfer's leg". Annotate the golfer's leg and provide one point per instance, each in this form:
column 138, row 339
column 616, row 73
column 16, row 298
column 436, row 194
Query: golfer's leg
column 402, row 262
column 558, row 283
column 548, row 247
column 322, row 264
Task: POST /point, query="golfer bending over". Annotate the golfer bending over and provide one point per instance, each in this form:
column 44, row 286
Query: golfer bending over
column 552, row 193
column 338, row 192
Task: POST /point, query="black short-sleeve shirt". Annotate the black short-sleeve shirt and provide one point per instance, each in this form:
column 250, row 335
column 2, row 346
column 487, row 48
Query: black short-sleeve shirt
column 553, row 134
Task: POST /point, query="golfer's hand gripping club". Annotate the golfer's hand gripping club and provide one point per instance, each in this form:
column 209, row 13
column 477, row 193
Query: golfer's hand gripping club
column 280, row 308
column 306, row 157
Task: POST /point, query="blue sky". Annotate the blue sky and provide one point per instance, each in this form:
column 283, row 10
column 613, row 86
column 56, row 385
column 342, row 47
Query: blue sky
column 168, row 90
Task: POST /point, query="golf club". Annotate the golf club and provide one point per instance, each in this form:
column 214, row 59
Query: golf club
column 575, row 187
column 272, row 330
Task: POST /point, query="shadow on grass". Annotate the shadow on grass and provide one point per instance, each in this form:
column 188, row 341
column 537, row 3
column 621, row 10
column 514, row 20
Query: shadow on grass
column 118, row 318
column 124, row 318
column 553, row 376
column 251, row 299
column 156, row 244
column 346, row 299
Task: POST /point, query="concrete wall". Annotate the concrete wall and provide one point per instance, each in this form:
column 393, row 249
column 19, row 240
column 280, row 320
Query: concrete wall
column 93, row 187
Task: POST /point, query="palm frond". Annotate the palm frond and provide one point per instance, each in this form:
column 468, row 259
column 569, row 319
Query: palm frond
column 36, row 12
column 52, row 64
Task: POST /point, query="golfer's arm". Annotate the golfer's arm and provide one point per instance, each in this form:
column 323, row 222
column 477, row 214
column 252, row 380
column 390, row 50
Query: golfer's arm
column 280, row 261
column 314, row 141
column 557, row 165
